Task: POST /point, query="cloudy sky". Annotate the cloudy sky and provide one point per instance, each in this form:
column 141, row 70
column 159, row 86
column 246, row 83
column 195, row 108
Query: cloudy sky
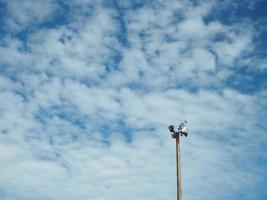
column 89, row 87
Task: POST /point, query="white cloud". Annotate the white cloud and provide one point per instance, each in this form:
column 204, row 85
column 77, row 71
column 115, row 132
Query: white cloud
column 99, row 170
column 21, row 14
column 74, row 125
column 229, row 52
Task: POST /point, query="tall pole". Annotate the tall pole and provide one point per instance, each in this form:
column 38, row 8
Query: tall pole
column 182, row 130
column 178, row 168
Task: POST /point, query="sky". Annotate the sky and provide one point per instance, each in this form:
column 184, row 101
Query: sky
column 88, row 89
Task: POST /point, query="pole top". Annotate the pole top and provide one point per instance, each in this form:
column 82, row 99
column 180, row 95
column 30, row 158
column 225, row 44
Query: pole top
column 181, row 131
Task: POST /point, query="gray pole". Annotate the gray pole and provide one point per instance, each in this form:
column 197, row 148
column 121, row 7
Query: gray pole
column 178, row 166
column 182, row 130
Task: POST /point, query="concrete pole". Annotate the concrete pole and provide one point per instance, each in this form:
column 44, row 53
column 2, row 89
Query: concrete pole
column 178, row 165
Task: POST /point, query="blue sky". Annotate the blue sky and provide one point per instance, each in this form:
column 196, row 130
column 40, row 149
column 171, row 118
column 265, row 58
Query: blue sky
column 88, row 89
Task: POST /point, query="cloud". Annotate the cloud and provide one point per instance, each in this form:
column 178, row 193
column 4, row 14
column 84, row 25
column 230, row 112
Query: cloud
column 20, row 15
column 85, row 104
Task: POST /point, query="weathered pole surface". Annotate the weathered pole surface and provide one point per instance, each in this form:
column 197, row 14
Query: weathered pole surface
column 178, row 165
column 182, row 130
